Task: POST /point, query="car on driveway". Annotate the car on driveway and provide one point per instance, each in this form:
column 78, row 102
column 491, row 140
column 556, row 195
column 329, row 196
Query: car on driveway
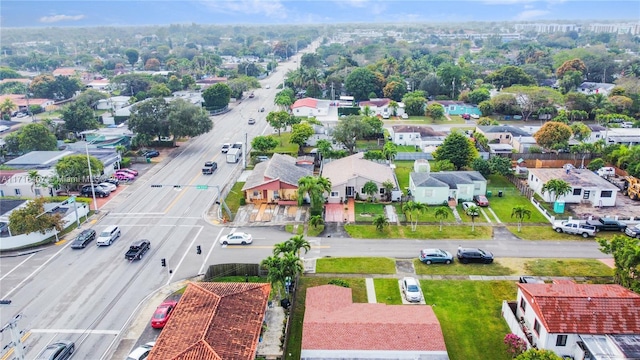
column 467, row 255
column 85, row 237
column 162, row 314
column 60, row 350
column 151, row 154
column 113, row 181
column 237, row 238
column 481, row 200
column 633, row 231
column 467, row 204
column 474, row 116
column 435, row 256
column 411, row 289
column 141, row 352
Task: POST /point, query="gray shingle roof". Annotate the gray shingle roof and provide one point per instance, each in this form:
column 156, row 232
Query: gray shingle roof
column 450, row 179
column 38, row 159
column 424, row 179
column 281, row 167
column 503, row 129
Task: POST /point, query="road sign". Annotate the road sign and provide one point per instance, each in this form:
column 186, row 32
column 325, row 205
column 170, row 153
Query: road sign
column 202, row 187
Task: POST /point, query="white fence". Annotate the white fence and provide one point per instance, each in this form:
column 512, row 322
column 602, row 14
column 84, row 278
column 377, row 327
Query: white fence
column 24, row 240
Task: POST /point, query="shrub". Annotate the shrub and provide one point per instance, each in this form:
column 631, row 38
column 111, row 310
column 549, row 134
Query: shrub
column 339, row 282
column 595, row 164
column 515, row 345
column 243, row 201
column 125, row 162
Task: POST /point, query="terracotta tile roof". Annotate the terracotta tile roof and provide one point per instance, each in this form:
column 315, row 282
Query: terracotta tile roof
column 306, row 102
column 584, row 308
column 214, row 321
column 64, row 71
column 375, row 102
column 333, row 322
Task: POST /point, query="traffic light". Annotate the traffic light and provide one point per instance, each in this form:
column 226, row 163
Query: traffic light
column 156, row 186
column 198, row 250
column 163, row 261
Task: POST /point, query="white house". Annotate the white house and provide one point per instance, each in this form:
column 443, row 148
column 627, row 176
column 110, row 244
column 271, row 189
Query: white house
column 349, row 174
column 436, row 188
column 623, row 136
column 589, row 88
column 377, row 106
column 580, row 321
column 19, row 184
column 310, row 107
column 585, row 186
column 416, row 135
column 113, row 103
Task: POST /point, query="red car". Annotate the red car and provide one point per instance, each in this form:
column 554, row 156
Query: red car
column 123, row 176
column 130, row 171
column 481, row 200
column 162, row 314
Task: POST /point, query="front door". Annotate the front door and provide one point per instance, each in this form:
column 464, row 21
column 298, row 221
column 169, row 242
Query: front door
column 349, row 191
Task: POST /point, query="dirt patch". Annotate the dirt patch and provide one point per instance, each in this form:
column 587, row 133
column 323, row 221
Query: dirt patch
column 624, row 208
column 518, row 265
column 405, row 267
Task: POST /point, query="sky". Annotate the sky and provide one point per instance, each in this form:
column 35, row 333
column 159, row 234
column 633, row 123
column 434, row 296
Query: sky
column 61, row 13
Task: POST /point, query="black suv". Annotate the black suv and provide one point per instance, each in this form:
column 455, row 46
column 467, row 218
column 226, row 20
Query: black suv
column 100, row 191
column 467, row 255
column 85, row 237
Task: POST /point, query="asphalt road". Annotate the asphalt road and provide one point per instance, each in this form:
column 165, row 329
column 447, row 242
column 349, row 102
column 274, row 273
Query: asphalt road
column 89, row 296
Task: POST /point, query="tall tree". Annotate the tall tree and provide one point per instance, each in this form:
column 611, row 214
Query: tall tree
column 458, row 149
column 415, row 103
column 187, row 119
column 371, row 189
column 474, row 212
column 217, row 96
column 500, row 165
column 150, row 118
column 132, row 56
column 31, row 137
column 556, row 188
column 32, row 218
column 442, row 213
column 7, row 106
column 300, row 133
column 279, row 120
column 533, row 98
column 264, row 143
column 315, row 188
column 626, row 257
column 553, row 135
column 520, row 212
column 435, row 111
column 73, row 170
column 298, row 243
column 414, row 209
column 78, row 117
column 360, row 83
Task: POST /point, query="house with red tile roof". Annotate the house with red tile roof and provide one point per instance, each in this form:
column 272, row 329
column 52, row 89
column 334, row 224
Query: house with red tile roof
column 214, row 321
column 577, row 319
column 336, row 328
column 65, row 72
column 310, row 107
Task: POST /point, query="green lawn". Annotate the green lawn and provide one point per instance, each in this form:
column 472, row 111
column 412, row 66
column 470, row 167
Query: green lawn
column 234, row 196
column 405, row 148
column 285, row 147
column 367, row 211
column 290, row 229
column 403, row 169
column 422, row 232
column 498, row 181
column 456, row 268
column 387, row 291
column 567, row 267
column 469, row 314
column 429, row 216
column 359, row 295
column 312, row 232
column 356, row 265
column 503, row 206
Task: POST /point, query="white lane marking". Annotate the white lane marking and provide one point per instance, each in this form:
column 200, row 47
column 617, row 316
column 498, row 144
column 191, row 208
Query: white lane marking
column 129, row 214
column 210, row 251
column 75, row 331
column 17, row 266
column 36, row 271
column 184, row 255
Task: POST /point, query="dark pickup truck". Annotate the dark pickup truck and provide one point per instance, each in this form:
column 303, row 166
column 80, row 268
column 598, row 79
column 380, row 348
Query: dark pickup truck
column 607, row 225
column 209, row 167
column 137, row 249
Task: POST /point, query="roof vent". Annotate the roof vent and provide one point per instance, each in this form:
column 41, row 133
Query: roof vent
column 589, row 298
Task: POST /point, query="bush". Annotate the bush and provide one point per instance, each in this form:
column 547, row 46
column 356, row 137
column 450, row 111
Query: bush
column 125, row 162
column 243, row 201
column 595, row 164
column 339, row 282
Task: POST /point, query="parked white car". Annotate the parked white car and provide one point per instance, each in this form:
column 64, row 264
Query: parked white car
column 141, row 352
column 411, row 289
column 108, row 186
column 574, row 227
column 237, row 238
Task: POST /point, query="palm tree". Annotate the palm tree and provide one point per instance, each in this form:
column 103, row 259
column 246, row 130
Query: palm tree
column 282, row 248
column 474, row 212
column 394, row 107
column 370, row 188
column 366, row 111
column 315, row 187
column 275, row 269
column 35, row 180
column 380, row 222
column 316, row 220
column 414, row 208
column 520, row 212
column 390, row 150
column 556, row 188
column 7, row 106
column 297, row 243
column 442, row 213
column 388, row 188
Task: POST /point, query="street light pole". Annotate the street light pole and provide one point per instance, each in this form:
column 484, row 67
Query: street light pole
column 93, row 191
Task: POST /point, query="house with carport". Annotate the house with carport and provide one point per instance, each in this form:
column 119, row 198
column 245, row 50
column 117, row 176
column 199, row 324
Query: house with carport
column 437, row 188
column 577, row 321
column 349, row 174
column 586, row 186
column 335, row 327
column 276, row 180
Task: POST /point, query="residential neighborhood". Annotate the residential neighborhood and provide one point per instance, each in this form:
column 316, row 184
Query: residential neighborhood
column 462, row 190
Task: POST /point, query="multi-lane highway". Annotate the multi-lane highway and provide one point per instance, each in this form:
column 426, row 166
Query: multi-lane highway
column 89, row 295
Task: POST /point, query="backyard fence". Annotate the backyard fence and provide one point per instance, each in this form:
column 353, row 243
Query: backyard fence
column 223, row 270
column 413, row 156
column 521, row 185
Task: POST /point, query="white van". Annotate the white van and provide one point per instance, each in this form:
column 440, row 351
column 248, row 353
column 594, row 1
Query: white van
column 108, row 235
column 606, row 171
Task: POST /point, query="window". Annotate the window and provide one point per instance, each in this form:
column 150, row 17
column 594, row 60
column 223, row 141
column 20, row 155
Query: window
column 256, row 193
column 1, row 193
column 536, row 326
column 37, row 192
column 381, row 191
column 334, row 194
column 18, row 192
column 577, row 191
column 400, row 137
column 561, row 340
column 507, row 136
column 531, row 177
column 586, row 194
column 476, row 186
column 276, row 195
column 606, row 193
column 523, row 305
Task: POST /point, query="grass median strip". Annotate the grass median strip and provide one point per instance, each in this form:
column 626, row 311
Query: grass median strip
column 456, row 268
column 422, row 232
column 547, row 233
column 567, row 267
column 356, row 265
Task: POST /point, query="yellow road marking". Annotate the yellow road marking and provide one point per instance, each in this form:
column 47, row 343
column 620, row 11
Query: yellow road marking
column 180, row 195
column 25, row 336
column 10, row 352
column 61, row 242
column 270, row 247
column 93, row 221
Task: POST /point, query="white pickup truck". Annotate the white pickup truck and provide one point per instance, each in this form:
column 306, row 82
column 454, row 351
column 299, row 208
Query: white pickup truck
column 574, row 227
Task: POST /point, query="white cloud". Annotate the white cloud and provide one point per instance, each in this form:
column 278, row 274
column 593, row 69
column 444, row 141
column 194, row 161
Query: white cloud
column 56, row 18
column 273, row 8
column 531, row 14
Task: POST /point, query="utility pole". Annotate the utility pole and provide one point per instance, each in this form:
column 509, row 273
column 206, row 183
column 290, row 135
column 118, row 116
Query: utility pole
column 244, row 151
column 16, row 338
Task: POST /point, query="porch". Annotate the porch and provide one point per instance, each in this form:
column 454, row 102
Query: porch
column 517, row 326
